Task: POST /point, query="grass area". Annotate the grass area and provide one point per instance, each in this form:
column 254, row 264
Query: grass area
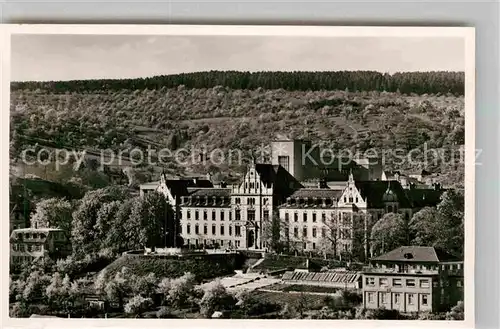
column 204, row 268
column 282, row 298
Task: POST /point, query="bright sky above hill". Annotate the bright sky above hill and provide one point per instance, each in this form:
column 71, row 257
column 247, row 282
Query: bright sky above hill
column 68, row 57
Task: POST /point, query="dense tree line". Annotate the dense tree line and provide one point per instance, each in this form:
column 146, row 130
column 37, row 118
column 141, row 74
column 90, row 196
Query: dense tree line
column 405, row 82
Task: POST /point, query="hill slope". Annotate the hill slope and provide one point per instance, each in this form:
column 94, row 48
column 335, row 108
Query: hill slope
column 222, row 118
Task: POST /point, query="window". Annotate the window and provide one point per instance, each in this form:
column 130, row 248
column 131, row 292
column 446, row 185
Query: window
column 383, row 298
column 237, row 200
column 287, row 218
column 284, row 161
column 304, row 216
column 383, row 282
column 424, row 283
column 397, row 283
column 205, row 229
column 304, row 232
column 314, row 218
column 222, row 215
column 410, row 282
column 314, row 232
column 357, row 200
column 314, row 245
column 214, row 229
column 323, row 217
column 205, row 215
column 188, row 229
column 251, row 201
column 237, row 230
column 369, row 295
column 237, row 214
column 188, row 214
column 296, row 217
column 230, row 230
column 296, row 232
column 251, row 215
column 425, row 299
column 213, row 215
column 22, row 247
column 323, row 233
column 345, row 199
column 266, row 214
column 287, row 232
column 370, row 281
column 411, row 299
column 196, row 215
column 222, row 230
column 252, row 185
column 14, row 247
column 396, row 298
column 230, row 215
column 304, row 246
column 351, row 200
column 196, row 229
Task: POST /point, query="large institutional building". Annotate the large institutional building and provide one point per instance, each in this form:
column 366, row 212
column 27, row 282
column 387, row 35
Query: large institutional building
column 316, row 207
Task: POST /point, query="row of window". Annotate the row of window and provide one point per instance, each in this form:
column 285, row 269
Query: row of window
column 346, row 218
column 342, row 233
column 251, row 201
column 222, row 230
column 26, row 247
column 28, row 236
column 424, row 298
column 221, row 243
column 396, row 282
column 237, row 215
column 22, row 259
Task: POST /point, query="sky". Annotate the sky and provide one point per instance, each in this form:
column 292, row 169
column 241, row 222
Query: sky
column 70, row 57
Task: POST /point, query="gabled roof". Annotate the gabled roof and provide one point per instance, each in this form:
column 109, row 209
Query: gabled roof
column 210, row 192
column 317, row 193
column 373, row 192
column 416, row 254
column 179, row 187
column 424, row 197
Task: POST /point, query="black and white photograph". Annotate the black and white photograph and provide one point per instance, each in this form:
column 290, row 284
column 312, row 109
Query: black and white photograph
column 239, row 172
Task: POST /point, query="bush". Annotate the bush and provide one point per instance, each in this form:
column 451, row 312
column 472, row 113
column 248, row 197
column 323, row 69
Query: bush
column 457, row 312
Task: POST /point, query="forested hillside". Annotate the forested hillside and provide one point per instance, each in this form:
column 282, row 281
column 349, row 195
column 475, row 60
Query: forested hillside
column 242, row 110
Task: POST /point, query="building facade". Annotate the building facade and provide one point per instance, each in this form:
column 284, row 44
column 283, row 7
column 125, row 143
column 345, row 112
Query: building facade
column 413, row 279
column 334, row 217
column 27, row 244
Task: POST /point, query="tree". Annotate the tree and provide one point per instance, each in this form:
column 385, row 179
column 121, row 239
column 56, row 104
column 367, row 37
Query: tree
column 215, row 298
column 457, row 312
column 274, row 233
column 441, row 227
column 137, row 305
column 181, row 290
column 388, row 233
column 86, row 214
column 105, row 222
column 119, row 287
column 54, row 213
column 144, row 285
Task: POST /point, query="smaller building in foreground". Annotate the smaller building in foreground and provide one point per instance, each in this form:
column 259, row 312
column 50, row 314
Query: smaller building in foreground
column 413, row 279
column 27, row 244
